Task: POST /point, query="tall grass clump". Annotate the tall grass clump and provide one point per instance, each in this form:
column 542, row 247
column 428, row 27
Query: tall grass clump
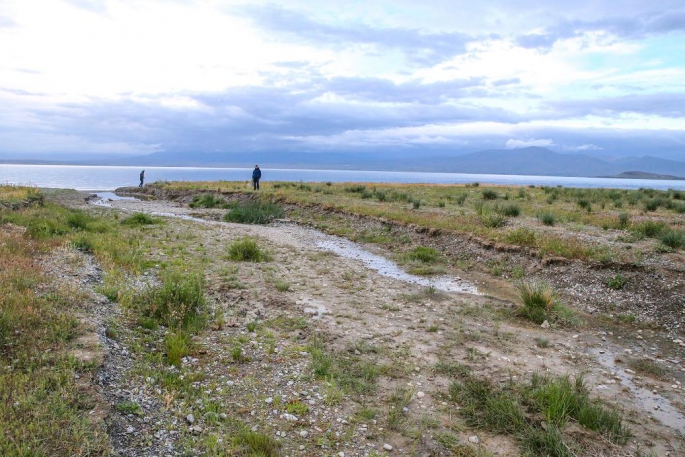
column 246, row 249
column 254, row 212
column 649, row 229
column 489, row 194
column 541, row 303
column 510, row 210
column 547, row 218
column 422, row 254
column 493, row 220
column 177, row 302
column 140, row 219
column 674, row 239
column 206, row 201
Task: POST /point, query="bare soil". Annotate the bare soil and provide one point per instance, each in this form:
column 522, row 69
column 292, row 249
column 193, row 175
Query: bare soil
column 410, row 330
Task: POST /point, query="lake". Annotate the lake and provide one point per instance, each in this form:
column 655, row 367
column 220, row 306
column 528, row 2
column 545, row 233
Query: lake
column 109, row 178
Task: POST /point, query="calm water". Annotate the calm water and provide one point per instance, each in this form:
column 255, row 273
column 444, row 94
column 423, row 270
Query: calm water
column 109, row 178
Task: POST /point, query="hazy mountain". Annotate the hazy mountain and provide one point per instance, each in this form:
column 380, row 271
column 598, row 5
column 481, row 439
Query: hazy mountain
column 525, row 161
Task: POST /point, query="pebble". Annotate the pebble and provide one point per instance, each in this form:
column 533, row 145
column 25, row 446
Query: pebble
column 190, row 418
column 304, row 433
column 420, row 394
column 387, row 447
column 130, row 429
column 474, row 439
column 269, row 400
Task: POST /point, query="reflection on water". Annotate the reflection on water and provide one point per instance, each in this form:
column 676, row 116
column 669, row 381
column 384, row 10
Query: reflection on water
column 385, row 267
column 652, row 403
column 110, row 178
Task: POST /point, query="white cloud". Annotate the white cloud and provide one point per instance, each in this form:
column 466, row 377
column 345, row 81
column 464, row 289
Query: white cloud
column 517, row 144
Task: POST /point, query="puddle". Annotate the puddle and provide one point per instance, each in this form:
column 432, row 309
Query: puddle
column 314, row 308
column 654, row 404
column 103, row 199
column 351, row 250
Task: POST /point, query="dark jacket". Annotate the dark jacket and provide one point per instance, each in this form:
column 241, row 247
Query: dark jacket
column 256, row 174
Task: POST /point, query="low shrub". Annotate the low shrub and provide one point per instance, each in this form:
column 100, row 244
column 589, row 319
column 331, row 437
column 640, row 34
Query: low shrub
column 489, row 194
column 246, row 249
column 522, row 237
column 493, row 220
column 510, row 210
column 206, row 201
column 547, row 218
column 618, row 282
column 140, row 219
column 177, row 303
column 422, row 254
column 541, row 303
column 674, row 239
column 649, row 229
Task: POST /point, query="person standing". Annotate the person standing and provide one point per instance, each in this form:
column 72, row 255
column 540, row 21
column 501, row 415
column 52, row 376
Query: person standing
column 142, row 178
column 256, row 176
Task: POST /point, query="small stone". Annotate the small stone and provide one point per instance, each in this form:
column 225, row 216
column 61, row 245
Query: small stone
column 474, row 439
column 341, row 454
column 223, row 415
column 130, row 429
column 304, row 433
column 545, row 324
column 269, row 400
column 190, row 418
column 387, row 447
column 420, row 394
column 301, row 447
column 575, row 337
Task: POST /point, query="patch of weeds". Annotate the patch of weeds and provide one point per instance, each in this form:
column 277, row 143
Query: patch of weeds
column 111, row 330
column 674, row 239
column 148, row 323
column 422, row 254
column 129, row 407
column 140, row 219
column 238, row 356
column 522, row 237
column 177, row 302
column 517, row 272
column 452, row 369
column 489, row 194
column 256, row 444
column 510, row 210
column 547, row 218
column 618, row 282
column 540, row 303
column 433, row 328
column 206, row 201
column 627, row 318
column 548, row 442
column 297, row 407
column 542, row 342
column 282, row 286
column 177, row 346
column 649, row 229
column 366, row 413
column 251, row 326
column 399, row 400
column 246, row 249
column 648, row 368
column 82, row 244
column 493, row 220
column 254, row 212
column 389, row 307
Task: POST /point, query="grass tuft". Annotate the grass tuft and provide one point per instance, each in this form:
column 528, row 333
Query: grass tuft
column 246, row 249
column 254, row 212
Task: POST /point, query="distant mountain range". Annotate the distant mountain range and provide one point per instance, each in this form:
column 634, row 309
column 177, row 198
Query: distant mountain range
column 525, row 161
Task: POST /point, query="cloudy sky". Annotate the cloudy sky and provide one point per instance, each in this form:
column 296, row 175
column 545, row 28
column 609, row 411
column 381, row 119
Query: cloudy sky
column 131, row 77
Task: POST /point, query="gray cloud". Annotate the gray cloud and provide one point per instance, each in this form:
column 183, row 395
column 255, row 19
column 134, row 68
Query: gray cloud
column 661, row 104
column 421, row 48
column 6, row 22
column 652, row 23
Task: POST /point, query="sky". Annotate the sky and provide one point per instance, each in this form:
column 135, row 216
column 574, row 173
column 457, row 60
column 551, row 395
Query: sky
column 135, row 77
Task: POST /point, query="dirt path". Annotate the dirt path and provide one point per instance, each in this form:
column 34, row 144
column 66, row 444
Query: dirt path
column 404, row 329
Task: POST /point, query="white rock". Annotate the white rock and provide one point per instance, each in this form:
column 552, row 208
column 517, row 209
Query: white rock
column 420, row 394
column 269, row 400
column 304, row 433
column 190, row 418
column 545, row 324
column 387, row 447
column 130, row 429
column 474, row 439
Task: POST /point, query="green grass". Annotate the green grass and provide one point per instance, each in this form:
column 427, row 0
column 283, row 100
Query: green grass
column 254, row 212
column 674, row 239
column 207, row 201
column 178, row 302
column 648, row 368
column 246, row 249
column 255, row 444
column 541, row 303
column 547, row 218
column 618, row 282
column 140, row 219
column 177, row 346
column 422, row 254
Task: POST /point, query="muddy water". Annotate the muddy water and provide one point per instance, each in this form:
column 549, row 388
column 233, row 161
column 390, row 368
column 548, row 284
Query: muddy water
column 385, row 267
column 654, row 404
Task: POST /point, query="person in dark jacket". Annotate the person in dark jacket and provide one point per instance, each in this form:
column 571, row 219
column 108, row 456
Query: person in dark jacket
column 256, row 176
column 142, row 178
